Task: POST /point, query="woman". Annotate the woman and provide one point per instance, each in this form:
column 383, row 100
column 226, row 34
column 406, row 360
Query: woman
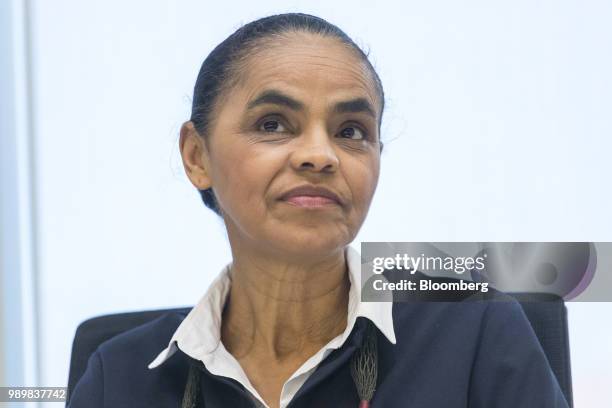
column 284, row 144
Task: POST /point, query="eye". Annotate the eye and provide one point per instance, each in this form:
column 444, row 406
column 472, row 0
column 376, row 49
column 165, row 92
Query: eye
column 272, row 126
column 353, row 132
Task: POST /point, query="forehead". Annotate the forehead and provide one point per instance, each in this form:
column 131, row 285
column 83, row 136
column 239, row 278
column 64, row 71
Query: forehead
column 308, row 66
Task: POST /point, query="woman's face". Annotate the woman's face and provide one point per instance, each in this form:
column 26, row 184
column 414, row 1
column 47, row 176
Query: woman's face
column 305, row 112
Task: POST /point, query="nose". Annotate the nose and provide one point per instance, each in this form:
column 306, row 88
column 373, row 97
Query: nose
column 315, row 152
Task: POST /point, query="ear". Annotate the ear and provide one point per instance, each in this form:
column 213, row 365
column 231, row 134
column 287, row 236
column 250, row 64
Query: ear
column 195, row 156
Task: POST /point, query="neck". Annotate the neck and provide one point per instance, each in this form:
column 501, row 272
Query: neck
column 280, row 309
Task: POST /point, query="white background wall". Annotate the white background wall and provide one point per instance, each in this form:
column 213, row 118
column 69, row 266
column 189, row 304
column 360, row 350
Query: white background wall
column 497, row 129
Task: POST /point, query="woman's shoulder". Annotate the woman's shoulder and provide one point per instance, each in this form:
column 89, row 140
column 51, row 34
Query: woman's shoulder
column 151, row 335
column 438, row 302
column 117, row 373
column 486, row 343
column 464, row 323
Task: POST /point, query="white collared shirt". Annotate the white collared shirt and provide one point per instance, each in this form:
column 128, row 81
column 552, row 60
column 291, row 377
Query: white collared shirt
column 199, row 334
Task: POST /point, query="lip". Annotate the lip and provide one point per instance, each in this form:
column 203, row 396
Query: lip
column 310, row 190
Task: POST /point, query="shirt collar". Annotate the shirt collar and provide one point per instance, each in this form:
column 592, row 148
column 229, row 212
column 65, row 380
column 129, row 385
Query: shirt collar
column 199, row 334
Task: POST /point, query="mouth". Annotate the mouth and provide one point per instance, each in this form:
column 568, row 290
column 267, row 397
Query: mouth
column 311, row 201
column 312, row 197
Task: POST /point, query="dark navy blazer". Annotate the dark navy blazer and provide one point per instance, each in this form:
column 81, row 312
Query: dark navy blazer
column 469, row 354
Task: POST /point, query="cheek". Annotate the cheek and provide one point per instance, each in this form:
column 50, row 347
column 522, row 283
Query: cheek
column 362, row 180
column 241, row 178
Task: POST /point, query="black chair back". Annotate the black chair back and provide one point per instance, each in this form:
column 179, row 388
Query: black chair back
column 548, row 316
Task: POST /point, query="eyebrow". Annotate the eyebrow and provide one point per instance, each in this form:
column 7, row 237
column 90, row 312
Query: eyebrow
column 274, row 97
column 356, row 105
